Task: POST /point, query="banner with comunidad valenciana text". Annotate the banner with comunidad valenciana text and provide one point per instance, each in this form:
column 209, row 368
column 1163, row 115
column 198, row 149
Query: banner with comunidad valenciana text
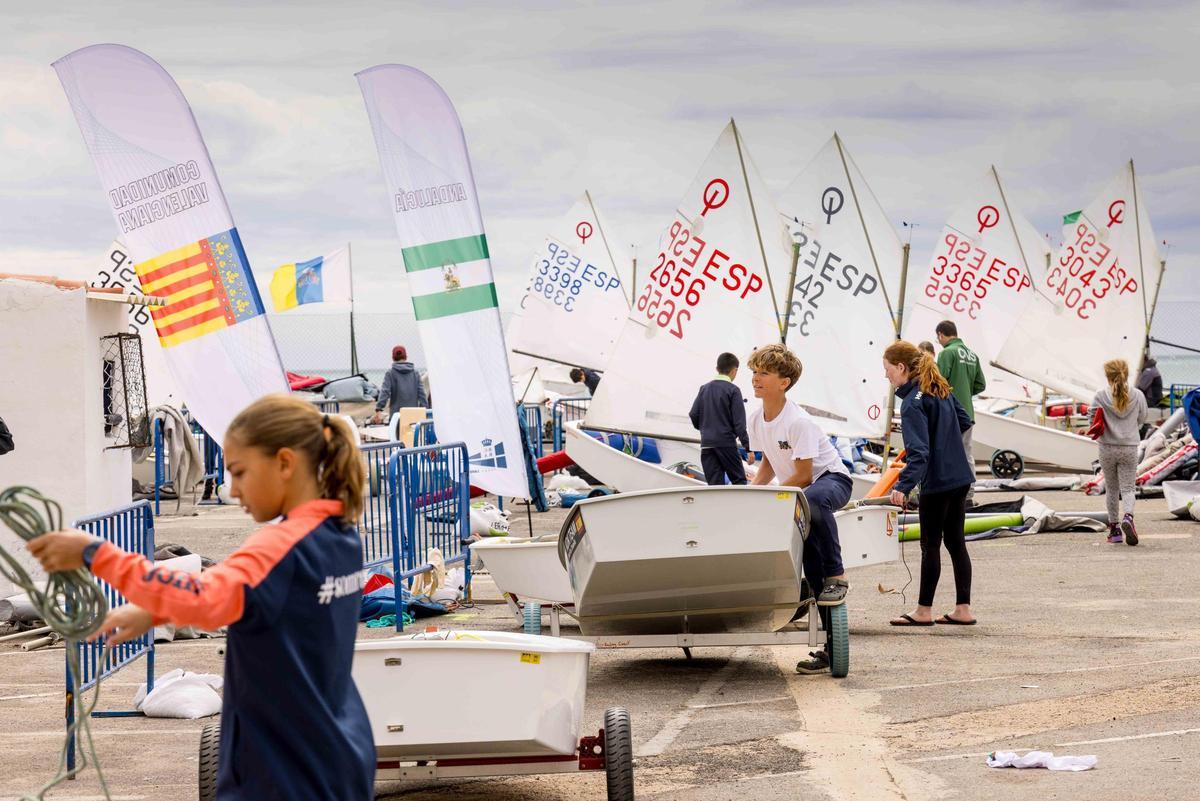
column 171, row 214
column 431, row 191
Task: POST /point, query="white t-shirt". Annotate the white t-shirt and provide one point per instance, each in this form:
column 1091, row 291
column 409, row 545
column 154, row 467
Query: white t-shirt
column 790, row 436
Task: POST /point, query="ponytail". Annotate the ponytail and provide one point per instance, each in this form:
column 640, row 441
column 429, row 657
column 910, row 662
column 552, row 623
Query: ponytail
column 921, row 367
column 281, row 421
column 1117, row 373
column 341, row 473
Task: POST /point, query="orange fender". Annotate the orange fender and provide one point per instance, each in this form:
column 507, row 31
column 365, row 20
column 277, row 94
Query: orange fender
column 888, row 478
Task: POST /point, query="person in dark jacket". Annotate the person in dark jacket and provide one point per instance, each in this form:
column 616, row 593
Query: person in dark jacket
column 1150, row 383
column 590, row 378
column 402, row 387
column 933, row 422
column 293, row 724
column 719, row 412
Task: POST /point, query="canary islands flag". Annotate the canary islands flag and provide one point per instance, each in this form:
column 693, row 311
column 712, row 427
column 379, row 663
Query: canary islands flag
column 320, row 280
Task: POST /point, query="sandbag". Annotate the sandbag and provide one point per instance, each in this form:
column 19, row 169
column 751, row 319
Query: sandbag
column 180, row 694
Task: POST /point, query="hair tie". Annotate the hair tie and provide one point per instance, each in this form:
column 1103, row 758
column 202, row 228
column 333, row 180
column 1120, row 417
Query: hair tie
column 324, row 421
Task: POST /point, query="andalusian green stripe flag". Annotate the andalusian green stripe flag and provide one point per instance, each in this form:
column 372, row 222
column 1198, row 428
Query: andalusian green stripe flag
column 432, row 195
column 1072, row 217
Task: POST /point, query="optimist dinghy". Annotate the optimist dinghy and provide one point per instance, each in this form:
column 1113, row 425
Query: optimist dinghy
column 696, row 560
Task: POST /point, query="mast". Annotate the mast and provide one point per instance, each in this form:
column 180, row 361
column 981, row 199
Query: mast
column 898, row 322
column 353, row 344
column 787, row 313
column 604, row 239
column 737, row 138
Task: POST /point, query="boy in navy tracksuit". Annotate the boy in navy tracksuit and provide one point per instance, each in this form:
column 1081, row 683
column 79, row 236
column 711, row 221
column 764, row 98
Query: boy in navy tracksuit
column 719, row 412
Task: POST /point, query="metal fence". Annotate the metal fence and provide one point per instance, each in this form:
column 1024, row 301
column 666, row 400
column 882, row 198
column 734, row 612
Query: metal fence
column 533, row 424
column 1177, row 392
column 377, row 526
column 164, row 472
column 130, row 528
column 429, row 493
column 423, row 434
column 564, row 411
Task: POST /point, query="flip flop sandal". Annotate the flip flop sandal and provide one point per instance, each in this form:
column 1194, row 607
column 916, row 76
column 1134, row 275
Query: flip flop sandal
column 911, row 621
column 949, row 621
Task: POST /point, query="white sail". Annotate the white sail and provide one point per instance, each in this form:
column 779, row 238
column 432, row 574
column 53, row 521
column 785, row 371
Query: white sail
column 575, row 301
column 981, row 275
column 846, row 293
column 707, row 291
column 1095, row 301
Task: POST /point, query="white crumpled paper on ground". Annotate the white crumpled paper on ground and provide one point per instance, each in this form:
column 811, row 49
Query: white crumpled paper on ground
column 1040, row 759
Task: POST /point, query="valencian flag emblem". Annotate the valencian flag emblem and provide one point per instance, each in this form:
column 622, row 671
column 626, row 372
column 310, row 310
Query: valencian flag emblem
column 207, row 285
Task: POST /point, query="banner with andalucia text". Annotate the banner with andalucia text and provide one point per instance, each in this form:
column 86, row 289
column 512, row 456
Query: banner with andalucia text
column 431, row 191
column 164, row 195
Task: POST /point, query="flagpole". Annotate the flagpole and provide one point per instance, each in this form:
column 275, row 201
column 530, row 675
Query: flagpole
column 353, row 344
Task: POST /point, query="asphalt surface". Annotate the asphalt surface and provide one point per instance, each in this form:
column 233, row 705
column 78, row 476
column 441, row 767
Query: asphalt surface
column 1082, row 648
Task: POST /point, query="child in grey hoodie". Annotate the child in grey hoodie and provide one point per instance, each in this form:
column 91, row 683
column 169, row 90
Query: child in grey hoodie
column 1124, row 414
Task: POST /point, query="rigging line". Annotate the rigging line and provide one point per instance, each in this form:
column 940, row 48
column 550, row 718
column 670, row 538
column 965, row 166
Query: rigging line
column 737, row 139
column 604, row 239
column 862, row 220
column 1012, row 223
column 1174, row 345
column 555, row 361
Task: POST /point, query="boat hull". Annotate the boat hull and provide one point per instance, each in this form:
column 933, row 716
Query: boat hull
column 1036, row 444
column 525, row 568
column 686, row 560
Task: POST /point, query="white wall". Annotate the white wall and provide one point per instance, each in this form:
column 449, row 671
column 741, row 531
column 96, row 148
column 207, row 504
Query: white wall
column 51, row 397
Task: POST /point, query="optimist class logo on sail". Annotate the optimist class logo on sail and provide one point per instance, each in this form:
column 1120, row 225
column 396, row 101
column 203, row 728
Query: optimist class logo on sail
column 689, row 267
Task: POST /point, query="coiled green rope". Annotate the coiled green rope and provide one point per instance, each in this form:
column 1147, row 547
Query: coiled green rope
column 70, row 602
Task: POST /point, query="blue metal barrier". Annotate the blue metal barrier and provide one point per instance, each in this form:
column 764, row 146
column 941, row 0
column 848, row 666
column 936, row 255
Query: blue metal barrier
column 329, row 407
column 423, row 434
column 533, row 424
column 130, row 528
column 430, row 493
column 566, row 410
column 377, row 526
column 1177, row 392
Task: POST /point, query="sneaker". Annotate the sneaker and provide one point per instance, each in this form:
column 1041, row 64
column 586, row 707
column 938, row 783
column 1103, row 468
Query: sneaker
column 1114, row 535
column 1129, row 530
column 834, row 593
column 819, row 663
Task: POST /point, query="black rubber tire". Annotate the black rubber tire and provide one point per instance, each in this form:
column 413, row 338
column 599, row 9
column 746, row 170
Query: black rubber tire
column 210, row 742
column 1007, row 464
column 618, row 754
column 839, row 641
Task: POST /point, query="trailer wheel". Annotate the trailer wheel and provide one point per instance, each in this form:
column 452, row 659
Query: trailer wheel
column 618, row 754
column 210, row 742
column 839, row 641
column 533, row 617
column 1007, row 464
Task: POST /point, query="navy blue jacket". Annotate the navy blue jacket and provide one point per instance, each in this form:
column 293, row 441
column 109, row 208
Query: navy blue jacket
column 293, row 726
column 935, row 457
column 591, row 380
column 720, row 413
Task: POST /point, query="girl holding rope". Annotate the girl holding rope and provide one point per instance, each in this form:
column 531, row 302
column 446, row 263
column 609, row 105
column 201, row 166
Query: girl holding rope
column 932, row 422
column 292, row 722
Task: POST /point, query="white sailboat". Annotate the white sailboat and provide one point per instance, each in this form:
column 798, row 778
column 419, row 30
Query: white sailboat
column 575, row 302
column 1095, row 303
column 844, row 304
column 983, row 270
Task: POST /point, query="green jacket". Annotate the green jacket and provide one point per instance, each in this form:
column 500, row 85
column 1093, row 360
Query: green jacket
column 961, row 368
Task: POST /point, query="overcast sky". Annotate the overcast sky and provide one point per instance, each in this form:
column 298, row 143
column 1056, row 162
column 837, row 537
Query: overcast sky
column 623, row 99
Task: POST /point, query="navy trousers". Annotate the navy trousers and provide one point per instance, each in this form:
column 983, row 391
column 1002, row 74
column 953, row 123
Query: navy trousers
column 721, row 462
column 822, row 552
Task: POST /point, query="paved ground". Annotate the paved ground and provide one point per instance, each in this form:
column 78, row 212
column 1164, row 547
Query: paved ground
column 1082, row 648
